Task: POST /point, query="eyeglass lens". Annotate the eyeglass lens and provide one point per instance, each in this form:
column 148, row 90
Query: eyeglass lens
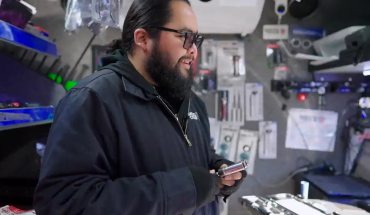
column 192, row 38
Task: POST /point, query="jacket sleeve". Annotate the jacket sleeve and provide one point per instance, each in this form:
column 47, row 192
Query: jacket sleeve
column 77, row 170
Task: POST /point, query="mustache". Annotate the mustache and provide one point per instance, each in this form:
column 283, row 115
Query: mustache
column 187, row 58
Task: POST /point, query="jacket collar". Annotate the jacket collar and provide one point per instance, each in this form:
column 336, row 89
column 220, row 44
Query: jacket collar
column 133, row 81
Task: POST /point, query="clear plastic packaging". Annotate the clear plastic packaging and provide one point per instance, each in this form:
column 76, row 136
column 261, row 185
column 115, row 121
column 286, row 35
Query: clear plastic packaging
column 78, row 13
column 209, row 54
column 206, row 76
column 230, row 105
column 73, row 19
column 106, row 12
column 230, row 63
column 275, row 55
column 205, row 81
column 125, row 6
column 301, row 39
column 281, row 73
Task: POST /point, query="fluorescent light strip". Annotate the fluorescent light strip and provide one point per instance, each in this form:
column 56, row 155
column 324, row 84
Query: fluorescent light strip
column 366, row 72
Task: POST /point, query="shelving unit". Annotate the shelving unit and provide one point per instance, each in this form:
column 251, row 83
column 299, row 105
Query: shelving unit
column 15, row 36
column 26, row 59
column 24, row 117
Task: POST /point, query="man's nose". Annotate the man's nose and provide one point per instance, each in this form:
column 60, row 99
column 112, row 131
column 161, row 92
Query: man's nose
column 193, row 51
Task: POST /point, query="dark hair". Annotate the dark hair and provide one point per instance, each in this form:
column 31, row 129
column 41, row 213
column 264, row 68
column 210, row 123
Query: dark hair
column 114, row 45
column 143, row 14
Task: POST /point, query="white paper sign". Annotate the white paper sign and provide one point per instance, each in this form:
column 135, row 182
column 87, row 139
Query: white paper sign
column 311, row 129
column 267, row 146
column 254, row 101
column 238, row 3
column 247, row 148
column 228, row 142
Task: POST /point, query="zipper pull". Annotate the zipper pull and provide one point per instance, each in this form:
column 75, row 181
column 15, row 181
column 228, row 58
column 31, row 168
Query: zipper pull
column 187, row 140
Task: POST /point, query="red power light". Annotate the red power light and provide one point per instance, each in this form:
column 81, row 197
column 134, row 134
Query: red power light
column 15, row 104
column 301, row 97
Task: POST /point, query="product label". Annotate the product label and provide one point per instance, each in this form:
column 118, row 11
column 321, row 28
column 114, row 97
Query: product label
column 308, row 32
column 275, row 32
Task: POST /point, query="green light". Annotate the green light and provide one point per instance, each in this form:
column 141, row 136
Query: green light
column 55, row 77
column 70, row 84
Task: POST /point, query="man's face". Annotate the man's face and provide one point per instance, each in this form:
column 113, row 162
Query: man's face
column 170, row 63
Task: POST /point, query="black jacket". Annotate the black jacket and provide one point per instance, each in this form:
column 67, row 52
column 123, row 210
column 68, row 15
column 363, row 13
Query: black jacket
column 116, row 148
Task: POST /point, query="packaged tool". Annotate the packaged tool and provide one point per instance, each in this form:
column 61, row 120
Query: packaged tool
column 206, row 74
column 301, row 39
column 230, row 105
column 209, row 54
column 230, row 63
column 275, row 55
column 205, row 81
column 106, row 12
column 238, row 167
column 79, row 14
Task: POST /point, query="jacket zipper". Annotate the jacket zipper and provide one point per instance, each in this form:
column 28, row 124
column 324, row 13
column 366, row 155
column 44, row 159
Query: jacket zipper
column 177, row 120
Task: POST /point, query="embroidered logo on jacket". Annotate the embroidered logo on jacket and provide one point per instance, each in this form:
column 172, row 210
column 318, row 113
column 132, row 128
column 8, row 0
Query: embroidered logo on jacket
column 193, row 115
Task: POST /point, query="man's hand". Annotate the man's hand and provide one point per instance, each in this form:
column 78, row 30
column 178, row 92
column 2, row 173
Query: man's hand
column 229, row 180
column 230, row 183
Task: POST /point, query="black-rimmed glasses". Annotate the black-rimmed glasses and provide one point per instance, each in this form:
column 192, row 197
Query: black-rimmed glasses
column 190, row 37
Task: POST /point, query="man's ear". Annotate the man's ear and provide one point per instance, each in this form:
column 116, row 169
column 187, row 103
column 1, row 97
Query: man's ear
column 141, row 39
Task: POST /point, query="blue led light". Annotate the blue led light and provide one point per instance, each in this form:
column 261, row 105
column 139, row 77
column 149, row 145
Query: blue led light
column 19, row 116
column 363, row 114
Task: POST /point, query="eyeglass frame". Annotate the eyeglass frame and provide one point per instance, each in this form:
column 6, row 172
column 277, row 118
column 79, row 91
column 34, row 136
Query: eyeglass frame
column 185, row 34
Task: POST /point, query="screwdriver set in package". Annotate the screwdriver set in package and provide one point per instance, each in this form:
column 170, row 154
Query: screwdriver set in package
column 230, row 105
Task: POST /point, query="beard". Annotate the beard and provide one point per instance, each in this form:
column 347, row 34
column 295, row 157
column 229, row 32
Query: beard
column 169, row 79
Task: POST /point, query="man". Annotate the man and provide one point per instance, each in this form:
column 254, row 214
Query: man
column 132, row 138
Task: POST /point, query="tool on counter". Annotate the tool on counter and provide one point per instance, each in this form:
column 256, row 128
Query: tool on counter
column 238, row 167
